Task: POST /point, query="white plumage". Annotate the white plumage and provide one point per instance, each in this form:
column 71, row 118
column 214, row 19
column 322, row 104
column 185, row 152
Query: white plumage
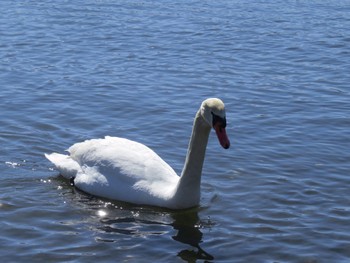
column 120, row 169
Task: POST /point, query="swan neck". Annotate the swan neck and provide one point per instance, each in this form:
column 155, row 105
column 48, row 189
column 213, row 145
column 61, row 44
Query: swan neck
column 189, row 184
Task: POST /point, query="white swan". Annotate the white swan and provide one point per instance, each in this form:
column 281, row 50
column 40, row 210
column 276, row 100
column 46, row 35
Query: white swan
column 120, row 169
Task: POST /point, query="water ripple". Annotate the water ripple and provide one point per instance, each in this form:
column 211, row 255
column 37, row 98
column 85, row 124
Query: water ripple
column 72, row 71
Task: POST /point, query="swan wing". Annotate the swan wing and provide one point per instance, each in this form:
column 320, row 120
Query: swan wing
column 121, row 169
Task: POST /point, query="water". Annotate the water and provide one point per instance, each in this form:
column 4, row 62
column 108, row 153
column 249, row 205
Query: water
column 75, row 70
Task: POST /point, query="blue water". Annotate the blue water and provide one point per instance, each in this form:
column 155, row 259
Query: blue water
column 75, row 70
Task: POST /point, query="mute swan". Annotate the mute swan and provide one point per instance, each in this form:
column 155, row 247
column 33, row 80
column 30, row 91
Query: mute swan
column 120, row 169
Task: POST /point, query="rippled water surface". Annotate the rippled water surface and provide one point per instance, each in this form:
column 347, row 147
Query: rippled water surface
column 75, row 70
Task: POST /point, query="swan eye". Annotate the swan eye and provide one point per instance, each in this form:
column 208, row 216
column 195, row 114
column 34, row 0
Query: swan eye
column 217, row 119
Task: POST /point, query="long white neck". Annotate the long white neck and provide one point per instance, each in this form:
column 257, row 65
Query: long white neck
column 188, row 188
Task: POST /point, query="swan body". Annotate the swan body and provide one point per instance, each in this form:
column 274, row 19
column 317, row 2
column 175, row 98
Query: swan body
column 125, row 170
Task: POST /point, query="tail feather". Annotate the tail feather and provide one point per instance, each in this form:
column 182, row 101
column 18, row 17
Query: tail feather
column 67, row 167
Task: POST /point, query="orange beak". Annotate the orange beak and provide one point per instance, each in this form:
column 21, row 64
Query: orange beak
column 222, row 136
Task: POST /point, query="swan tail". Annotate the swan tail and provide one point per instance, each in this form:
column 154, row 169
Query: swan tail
column 67, row 167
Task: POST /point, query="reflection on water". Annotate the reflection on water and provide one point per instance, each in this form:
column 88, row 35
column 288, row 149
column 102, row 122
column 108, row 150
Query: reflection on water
column 187, row 225
column 119, row 218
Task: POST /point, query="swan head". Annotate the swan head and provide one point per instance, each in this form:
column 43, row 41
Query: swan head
column 213, row 112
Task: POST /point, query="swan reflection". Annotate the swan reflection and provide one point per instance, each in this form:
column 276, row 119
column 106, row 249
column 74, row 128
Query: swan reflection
column 187, row 225
column 118, row 219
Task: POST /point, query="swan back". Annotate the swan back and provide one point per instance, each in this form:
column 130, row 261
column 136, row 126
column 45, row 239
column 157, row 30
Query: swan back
column 120, row 169
column 131, row 158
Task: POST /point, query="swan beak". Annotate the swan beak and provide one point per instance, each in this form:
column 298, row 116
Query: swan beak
column 222, row 136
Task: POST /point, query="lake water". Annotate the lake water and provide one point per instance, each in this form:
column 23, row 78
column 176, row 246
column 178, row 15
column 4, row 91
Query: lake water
column 75, row 70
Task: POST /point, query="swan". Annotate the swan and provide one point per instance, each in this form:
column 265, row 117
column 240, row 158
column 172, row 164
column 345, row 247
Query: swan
column 120, row 169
